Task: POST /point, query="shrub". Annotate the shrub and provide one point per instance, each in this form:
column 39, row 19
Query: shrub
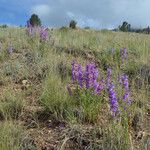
column 64, row 29
column 4, row 26
column 73, row 24
column 86, row 27
column 35, row 20
column 125, row 27
column 54, row 96
column 11, row 106
column 11, row 136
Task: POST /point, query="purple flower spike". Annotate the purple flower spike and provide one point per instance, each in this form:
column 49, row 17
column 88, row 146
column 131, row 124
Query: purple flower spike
column 37, row 31
column 123, row 53
column 95, row 76
column 44, row 34
column 77, row 73
column 125, row 83
column 74, row 71
column 87, row 76
column 91, row 75
column 30, row 31
column 100, row 87
column 80, row 76
column 113, row 99
column 28, row 24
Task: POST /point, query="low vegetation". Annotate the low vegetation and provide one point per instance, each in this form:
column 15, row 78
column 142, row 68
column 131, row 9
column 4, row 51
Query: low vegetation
column 74, row 89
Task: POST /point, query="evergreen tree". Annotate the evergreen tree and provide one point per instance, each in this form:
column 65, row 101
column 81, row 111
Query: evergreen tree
column 73, row 24
column 125, row 27
column 35, row 20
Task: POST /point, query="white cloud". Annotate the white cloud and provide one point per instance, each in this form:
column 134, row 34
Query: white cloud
column 97, row 13
column 70, row 14
column 41, row 10
column 83, row 21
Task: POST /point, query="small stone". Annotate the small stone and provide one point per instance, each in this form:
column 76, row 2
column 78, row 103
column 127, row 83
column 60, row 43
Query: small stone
column 24, row 82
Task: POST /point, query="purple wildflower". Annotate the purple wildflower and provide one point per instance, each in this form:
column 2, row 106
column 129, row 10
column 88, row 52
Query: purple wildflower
column 77, row 73
column 30, row 29
column 74, row 71
column 120, row 79
column 87, row 76
column 125, row 83
column 113, row 99
column 100, row 87
column 123, row 53
column 80, row 76
column 91, row 75
column 95, row 76
column 44, row 34
column 28, row 24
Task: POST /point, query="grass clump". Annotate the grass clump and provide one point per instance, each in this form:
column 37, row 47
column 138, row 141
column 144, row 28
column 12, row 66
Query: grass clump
column 11, row 136
column 92, row 117
column 54, row 96
column 11, row 105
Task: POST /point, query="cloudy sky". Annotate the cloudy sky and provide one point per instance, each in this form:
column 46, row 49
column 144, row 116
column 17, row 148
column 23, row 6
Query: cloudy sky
column 93, row 13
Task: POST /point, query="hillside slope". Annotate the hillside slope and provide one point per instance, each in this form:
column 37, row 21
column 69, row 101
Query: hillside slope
column 38, row 112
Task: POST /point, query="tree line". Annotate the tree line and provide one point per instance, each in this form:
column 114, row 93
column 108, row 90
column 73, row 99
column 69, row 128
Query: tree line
column 36, row 21
column 125, row 27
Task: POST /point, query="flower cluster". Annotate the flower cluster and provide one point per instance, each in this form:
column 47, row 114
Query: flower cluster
column 87, row 77
column 77, row 73
column 124, row 82
column 44, row 34
column 91, row 75
column 28, row 24
column 113, row 99
column 99, row 87
column 30, row 29
column 39, row 31
column 112, row 94
column 123, row 53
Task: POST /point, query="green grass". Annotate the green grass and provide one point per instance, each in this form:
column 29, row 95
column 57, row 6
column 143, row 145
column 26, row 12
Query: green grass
column 11, row 136
column 37, row 74
column 12, row 105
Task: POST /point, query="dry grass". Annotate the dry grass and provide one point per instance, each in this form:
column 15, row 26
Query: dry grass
column 33, row 91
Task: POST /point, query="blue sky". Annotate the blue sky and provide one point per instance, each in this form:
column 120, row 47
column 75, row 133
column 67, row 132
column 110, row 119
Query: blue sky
column 93, row 13
column 16, row 12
